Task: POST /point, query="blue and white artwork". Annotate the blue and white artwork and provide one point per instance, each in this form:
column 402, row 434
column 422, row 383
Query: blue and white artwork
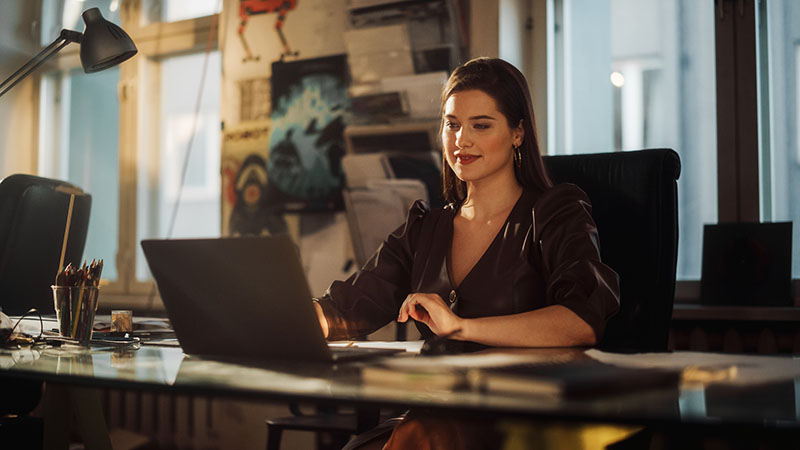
column 309, row 101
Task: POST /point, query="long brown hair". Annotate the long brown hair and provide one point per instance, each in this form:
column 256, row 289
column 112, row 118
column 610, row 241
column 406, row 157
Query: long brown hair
column 507, row 86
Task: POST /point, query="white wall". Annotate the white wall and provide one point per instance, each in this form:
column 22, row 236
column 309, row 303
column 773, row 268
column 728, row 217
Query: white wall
column 484, row 18
column 314, row 27
column 19, row 31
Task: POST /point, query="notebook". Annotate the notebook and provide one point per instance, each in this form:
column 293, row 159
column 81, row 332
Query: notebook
column 573, row 379
column 558, row 373
column 242, row 297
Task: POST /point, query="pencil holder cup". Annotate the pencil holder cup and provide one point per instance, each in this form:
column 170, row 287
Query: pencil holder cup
column 75, row 309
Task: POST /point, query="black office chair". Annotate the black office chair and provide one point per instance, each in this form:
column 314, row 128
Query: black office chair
column 635, row 206
column 37, row 217
column 34, row 216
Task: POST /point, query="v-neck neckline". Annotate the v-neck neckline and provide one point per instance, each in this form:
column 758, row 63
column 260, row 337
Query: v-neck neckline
column 449, row 250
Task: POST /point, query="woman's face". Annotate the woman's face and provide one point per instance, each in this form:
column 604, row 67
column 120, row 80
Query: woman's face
column 476, row 138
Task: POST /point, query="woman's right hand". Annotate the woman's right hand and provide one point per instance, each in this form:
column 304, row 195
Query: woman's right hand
column 431, row 310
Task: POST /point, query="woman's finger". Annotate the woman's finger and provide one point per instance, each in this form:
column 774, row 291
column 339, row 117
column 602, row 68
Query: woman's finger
column 405, row 308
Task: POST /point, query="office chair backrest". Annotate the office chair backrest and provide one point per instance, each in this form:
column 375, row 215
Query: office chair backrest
column 34, row 213
column 635, row 206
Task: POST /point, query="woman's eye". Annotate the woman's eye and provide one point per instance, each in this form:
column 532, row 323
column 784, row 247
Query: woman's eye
column 451, row 125
column 481, row 126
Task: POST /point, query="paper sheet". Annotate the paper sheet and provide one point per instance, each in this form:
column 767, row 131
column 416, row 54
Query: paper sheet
column 408, row 346
column 465, row 361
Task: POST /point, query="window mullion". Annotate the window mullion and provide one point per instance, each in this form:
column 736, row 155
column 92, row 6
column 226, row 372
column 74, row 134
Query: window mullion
column 139, row 100
column 747, row 111
column 128, row 95
column 128, row 143
column 737, row 111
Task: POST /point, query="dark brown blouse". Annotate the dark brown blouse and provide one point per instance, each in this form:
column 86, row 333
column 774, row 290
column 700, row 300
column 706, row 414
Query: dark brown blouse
column 545, row 254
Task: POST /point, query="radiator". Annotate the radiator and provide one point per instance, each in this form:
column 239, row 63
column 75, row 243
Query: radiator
column 181, row 421
column 168, row 420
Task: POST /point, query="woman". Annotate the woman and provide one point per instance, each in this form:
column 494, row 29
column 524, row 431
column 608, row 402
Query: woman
column 511, row 261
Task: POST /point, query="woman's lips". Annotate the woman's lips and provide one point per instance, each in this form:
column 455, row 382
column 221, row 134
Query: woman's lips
column 467, row 159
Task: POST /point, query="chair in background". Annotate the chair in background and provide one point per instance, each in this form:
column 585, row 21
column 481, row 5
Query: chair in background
column 378, row 209
column 635, row 206
column 361, row 168
column 374, row 210
column 41, row 221
column 43, row 225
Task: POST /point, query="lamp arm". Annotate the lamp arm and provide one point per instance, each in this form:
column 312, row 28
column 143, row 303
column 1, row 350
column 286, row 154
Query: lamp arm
column 63, row 39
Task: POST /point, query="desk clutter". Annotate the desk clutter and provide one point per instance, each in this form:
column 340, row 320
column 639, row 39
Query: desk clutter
column 147, row 330
column 43, row 331
column 75, row 297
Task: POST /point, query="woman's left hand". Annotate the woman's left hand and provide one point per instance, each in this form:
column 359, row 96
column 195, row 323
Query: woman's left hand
column 431, row 310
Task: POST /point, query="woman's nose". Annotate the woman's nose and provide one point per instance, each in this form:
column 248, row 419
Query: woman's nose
column 462, row 138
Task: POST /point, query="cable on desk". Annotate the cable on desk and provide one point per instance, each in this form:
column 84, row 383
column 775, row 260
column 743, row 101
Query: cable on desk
column 30, row 312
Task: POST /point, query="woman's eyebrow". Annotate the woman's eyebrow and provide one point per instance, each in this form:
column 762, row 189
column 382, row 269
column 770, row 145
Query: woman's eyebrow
column 479, row 117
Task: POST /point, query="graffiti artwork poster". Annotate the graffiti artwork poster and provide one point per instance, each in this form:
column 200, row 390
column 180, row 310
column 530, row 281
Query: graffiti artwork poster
column 309, row 100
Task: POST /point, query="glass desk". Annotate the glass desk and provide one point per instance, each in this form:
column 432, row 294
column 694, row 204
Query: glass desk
column 771, row 405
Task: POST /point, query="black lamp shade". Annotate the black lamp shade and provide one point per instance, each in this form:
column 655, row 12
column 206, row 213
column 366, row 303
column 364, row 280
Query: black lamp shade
column 104, row 44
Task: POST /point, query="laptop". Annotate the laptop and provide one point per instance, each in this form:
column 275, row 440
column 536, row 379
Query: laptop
column 243, row 298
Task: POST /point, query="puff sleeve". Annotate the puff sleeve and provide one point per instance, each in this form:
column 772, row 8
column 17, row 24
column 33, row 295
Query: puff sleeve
column 568, row 241
column 371, row 298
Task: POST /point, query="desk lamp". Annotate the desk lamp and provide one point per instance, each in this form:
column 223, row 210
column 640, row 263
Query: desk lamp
column 103, row 45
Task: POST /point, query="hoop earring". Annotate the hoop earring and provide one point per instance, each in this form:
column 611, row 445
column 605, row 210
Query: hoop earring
column 517, row 156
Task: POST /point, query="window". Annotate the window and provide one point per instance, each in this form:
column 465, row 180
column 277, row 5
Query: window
column 155, row 11
column 59, row 14
column 81, row 151
column 84, row 152
column 131, row 155
column 165, row 206
column 780, row 120
column 634, row 74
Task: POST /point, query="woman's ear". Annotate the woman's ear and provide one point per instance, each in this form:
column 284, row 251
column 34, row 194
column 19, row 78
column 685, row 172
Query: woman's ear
column 518, row 134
